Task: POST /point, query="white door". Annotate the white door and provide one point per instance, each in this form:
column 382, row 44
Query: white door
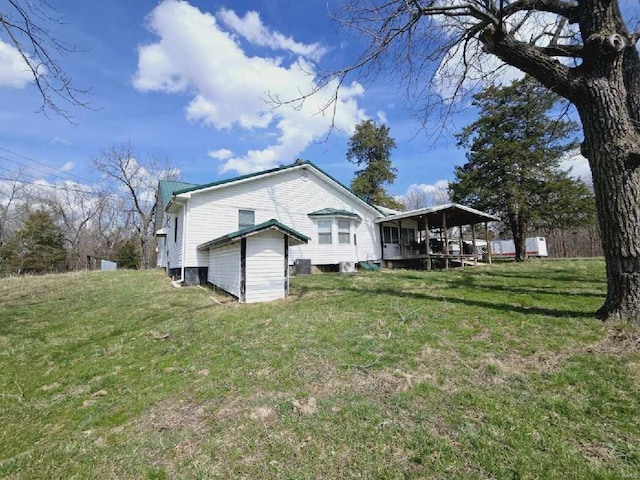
column 390, row 242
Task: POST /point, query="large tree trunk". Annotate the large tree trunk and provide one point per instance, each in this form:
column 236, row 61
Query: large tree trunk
column 611, row 145
column 519, row 232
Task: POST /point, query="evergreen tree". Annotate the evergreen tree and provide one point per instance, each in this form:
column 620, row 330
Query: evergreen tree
column 128, row 255
column 40, row 245
column 370, row 147
column 512, row 167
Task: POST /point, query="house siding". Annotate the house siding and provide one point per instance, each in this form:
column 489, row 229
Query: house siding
column 265, row 267
column 224, row 268
column 289, row 198
column 161, row 261
column 174, row 242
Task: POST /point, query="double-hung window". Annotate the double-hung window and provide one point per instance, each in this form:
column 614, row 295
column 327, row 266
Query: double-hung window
column 344, row 231
column 324, row 232
column 246, row 218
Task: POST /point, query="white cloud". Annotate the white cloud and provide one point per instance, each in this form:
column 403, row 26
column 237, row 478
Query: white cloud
column 67, row 167
column 382, row 117
column 577, row 166
column 61, row 141
column 14, row 71
column 420, row 195
column 222, row 154
column 229, row 88
column 251, row 28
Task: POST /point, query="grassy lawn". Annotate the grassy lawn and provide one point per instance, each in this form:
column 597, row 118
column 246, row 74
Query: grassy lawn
column 494, row 372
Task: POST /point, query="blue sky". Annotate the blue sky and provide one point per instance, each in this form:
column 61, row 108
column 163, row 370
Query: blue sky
column 187, row 81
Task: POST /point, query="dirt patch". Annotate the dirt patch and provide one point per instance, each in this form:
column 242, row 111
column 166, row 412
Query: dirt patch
column 231, row 409
column 597, row 452
column 620, row 338
column 46, row 388
column 305, row 406
column 263, row 414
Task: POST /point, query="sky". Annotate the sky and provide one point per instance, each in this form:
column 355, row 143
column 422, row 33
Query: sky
column 191, row 82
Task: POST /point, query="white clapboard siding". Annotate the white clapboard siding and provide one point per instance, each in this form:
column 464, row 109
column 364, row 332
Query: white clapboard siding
column 265, row 267
column 224, row 268
column 174, row 245
column 288, row 197
column 161, row 257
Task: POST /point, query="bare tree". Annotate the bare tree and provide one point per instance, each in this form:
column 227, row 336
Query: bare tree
column 422, row 196
column 10, row 189
column 25, row 24
column 75, row 211
column 584, row 50
column 138, row 182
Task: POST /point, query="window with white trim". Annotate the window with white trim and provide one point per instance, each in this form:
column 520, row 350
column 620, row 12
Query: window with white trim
column 324, row 232
column 246, row 218
column 390, row 235
column 344, row 231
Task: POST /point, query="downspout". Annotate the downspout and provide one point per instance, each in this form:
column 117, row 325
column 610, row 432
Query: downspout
column 184, row 245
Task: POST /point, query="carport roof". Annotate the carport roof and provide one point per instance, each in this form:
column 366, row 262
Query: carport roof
column 455, row 214
column 272, row 224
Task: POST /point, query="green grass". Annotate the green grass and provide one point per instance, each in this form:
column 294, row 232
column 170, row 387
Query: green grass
column 494, row 372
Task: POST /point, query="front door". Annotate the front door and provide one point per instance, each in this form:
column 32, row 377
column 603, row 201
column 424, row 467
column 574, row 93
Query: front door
column 390, row 242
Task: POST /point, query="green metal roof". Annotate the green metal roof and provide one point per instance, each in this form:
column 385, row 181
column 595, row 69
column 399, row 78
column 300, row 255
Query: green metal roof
column 168, row 187
column 297, row 163
column 333, row 212
column 272, row 224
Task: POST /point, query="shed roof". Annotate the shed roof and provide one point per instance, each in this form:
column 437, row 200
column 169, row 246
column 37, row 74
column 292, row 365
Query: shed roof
column 272, row 224
column 455, row 214
column 333, row 212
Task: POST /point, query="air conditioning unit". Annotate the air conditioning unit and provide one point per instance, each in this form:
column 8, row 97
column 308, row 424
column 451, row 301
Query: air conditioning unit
column 302, row 266
column 347, row 267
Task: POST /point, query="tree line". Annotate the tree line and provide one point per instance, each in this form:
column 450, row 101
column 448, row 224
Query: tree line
column 514, row 150
column 60, row 227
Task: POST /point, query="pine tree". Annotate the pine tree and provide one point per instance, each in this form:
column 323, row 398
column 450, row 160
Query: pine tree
column 370, row 147
column 515, row 147
column 40, row 245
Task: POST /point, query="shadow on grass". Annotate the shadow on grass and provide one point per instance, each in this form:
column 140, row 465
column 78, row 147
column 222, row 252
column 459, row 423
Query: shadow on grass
column 470, row 282
column 503, row 307
column 553, row 275
column 477, row 284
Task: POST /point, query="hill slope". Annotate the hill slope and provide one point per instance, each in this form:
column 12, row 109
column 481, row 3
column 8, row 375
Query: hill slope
column 493, row 372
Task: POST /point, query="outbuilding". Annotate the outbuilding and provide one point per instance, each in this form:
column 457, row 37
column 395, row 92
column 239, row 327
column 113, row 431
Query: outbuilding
column 252, row 264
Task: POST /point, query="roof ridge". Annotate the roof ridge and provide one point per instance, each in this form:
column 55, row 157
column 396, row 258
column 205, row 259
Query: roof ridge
column 297, row 163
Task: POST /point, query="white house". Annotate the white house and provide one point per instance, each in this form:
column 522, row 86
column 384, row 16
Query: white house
column 294, row 212
column 243, row 234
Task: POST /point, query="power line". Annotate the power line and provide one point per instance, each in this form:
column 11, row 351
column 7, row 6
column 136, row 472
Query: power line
column 56, row 187
column 31, row 167
column 41, row 164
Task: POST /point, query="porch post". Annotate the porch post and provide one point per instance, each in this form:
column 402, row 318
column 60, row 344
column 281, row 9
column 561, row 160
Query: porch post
column 475, row 247
column 286, row 265
column 426, row 231
column 382, row 264
column 446, row 240
column 486, row 232
column 461, row 247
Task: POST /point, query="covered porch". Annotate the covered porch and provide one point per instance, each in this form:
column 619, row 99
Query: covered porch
column 436, row 237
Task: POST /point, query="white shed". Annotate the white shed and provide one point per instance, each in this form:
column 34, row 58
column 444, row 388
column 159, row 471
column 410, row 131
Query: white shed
column 252, row 264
